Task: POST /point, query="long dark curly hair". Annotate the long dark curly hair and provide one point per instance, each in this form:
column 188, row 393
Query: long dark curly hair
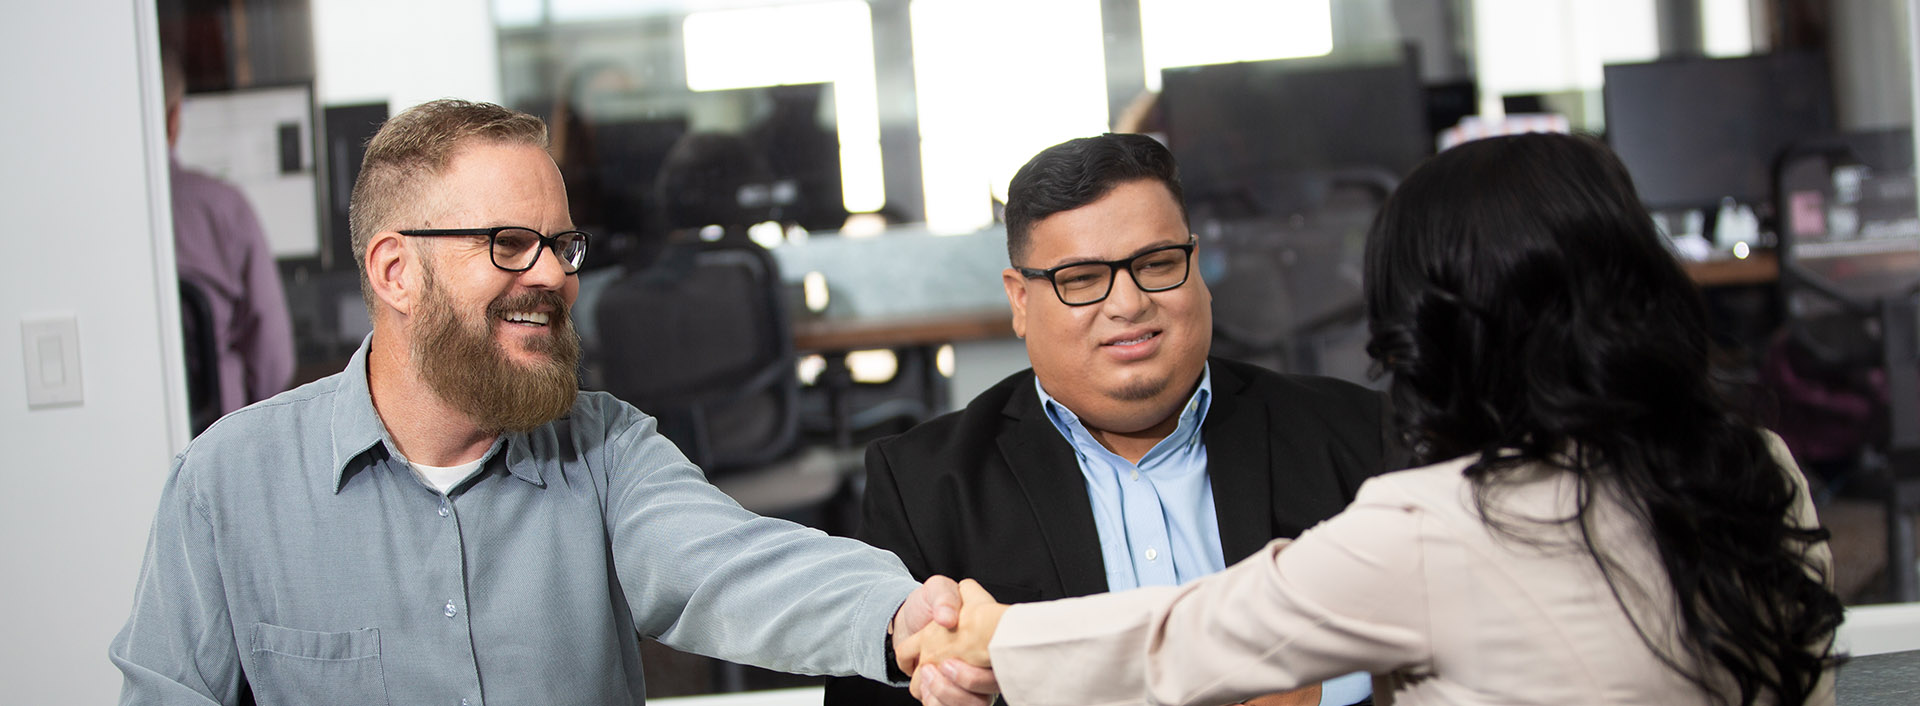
column 1522, row 300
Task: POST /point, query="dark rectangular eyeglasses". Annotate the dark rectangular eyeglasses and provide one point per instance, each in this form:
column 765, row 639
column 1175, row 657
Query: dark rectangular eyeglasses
column 515, row 249
column 1083, row 283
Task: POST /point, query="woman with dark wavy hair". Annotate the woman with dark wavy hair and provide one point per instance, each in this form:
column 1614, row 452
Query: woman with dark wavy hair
column 1595, row 525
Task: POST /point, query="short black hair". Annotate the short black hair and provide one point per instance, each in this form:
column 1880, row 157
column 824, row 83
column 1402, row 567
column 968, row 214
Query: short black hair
column 1078, row 172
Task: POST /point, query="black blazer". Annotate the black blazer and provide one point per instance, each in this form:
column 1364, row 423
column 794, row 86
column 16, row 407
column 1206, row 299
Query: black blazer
column 993, row 492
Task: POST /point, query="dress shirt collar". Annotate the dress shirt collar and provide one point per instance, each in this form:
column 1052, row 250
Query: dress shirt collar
column 357, row 428
column 1187, row 431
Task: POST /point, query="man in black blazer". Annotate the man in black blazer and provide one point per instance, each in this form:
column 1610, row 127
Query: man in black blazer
column 1125, row 456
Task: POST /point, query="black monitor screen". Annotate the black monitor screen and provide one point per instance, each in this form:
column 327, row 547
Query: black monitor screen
column 620, row 140
column 1233, row 125
column 1694, row 131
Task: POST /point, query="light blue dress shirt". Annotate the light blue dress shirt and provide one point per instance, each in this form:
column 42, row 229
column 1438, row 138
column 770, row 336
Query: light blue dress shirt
column 294, row 550
column 1156, row 519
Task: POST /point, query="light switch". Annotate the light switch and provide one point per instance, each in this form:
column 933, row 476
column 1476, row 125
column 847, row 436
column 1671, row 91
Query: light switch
column 52, row 352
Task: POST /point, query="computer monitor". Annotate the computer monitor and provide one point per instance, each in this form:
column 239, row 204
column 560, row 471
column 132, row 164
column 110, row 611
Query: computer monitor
column 347, row 130
column 1450, row 101
column 793, row 128
column 1695, row 131
column 1235, row 127
column 263, row 141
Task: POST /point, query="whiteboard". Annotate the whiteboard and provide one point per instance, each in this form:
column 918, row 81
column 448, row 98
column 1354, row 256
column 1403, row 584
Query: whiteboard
column 262, row 141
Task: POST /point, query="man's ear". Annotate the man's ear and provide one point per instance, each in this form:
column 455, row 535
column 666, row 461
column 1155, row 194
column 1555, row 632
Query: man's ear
column 393, row 272
column 1016, row 286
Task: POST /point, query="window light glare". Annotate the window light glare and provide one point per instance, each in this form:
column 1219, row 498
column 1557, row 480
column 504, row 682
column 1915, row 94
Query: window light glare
column 1728, row 26
column 1195, row 32
column 755, row 47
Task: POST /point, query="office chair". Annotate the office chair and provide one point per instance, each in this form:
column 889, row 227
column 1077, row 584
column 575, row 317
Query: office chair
column 852, row 413
column 1285, row 275
column 1852, row 330
column 202, row 356
column 702, row 342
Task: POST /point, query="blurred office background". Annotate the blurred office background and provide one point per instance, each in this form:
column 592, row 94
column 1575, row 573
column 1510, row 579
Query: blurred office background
column 794, row 204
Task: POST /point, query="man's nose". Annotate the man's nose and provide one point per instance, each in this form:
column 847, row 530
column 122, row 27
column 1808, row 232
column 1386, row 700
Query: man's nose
column 1126, row 298
column 548, row 270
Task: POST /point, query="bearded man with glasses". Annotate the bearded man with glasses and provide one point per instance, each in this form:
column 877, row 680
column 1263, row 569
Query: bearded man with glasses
column 1126, row 456
column 450, row 520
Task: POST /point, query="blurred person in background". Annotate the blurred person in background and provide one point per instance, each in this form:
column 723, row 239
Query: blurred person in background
column 220, row 250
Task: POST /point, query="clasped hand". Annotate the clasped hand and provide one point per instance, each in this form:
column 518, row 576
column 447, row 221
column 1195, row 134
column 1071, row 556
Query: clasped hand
column 951, row 665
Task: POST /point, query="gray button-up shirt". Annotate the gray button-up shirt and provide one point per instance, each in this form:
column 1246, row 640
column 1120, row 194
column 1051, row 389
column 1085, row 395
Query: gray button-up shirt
column 295, row 555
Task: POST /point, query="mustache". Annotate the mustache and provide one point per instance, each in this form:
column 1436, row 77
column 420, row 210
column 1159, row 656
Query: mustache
column 542, row 300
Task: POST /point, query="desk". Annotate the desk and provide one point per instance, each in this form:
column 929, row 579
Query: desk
column 1761, row 268
column 907, row 289
column 830, row 334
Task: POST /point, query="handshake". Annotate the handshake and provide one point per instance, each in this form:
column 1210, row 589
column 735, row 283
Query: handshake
column 948, row 656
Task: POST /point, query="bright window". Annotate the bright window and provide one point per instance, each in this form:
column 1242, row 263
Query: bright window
column 461, row 61
column 1728, row 25
column 805, row 43
column 517, row 13
column 997, row 81
column 1194, row 32
column 1550, row 46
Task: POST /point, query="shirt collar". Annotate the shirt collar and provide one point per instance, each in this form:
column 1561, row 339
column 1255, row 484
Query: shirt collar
column 1192, row 416
column 357, row 428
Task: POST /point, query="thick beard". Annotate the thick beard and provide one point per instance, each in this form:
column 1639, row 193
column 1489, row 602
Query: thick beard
column 466, row 367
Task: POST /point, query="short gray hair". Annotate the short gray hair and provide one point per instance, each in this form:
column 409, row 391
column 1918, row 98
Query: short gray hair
column 413, row 148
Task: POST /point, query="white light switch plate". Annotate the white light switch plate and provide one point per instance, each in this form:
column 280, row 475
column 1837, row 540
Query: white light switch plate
column 52, row 355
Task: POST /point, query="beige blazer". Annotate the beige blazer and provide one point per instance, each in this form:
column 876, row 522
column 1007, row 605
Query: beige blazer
column 1409, row 584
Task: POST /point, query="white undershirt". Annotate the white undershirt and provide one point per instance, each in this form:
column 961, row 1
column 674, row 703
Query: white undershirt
column 443, row 478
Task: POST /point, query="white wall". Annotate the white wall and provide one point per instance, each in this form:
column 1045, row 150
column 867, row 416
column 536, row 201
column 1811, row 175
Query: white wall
column 404, row 53
column 1879, row 629
column 85, row 162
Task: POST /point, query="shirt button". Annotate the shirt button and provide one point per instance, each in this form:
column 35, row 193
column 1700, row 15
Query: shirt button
column 1151, row 555
column 453, row 611
column 443, row 509
column 1134, row 475
column 463, row 702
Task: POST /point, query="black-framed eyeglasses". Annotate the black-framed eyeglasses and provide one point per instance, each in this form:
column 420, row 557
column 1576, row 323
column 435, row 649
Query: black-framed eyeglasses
column 515, row 249
column 1084, row 283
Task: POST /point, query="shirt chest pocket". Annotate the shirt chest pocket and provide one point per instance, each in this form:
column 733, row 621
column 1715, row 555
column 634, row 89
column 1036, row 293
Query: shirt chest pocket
column 305, row 667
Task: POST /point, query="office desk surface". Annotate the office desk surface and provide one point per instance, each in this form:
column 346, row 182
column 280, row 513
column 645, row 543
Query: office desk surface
column 830, row 334
column 1762, row 267
column 901, row 289
column 903, row 272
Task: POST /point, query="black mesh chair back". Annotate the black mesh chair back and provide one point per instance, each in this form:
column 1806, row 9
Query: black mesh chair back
column 702, row 342
column 1286, row 283
column 202, row 356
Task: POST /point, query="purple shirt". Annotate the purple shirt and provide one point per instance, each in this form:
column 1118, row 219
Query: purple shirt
column 217, row 244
